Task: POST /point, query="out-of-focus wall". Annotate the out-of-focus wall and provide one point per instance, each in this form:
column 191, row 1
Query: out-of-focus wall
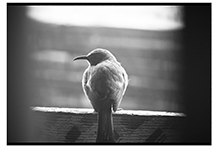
column 152, row 60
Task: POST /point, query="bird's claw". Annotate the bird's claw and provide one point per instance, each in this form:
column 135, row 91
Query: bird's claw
column 119, row 109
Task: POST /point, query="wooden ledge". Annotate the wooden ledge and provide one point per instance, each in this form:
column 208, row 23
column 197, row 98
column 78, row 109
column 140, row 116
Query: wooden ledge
column 121, row 112
column 79, row 125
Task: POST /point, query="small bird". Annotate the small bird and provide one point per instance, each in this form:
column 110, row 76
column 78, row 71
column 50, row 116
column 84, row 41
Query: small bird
column 104, row 83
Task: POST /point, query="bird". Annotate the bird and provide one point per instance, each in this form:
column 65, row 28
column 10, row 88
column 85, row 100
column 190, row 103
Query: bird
column 104, row 82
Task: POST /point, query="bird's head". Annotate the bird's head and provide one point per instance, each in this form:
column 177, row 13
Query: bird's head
column 97, row 56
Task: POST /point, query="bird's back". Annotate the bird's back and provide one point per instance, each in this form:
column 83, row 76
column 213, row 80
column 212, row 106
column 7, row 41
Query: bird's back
column 105, row 82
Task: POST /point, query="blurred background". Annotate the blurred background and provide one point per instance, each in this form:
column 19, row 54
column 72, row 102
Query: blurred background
column 164, row 49
column 147, row 40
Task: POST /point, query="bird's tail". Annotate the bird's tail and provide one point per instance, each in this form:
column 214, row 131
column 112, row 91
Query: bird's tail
column 105, row 124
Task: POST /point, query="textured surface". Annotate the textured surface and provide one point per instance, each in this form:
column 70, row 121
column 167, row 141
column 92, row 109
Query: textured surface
column 80, row 125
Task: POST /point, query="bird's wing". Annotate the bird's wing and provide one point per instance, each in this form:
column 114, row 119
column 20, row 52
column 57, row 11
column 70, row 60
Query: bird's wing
column 126, row 80
column 109, row 81
column 92, row 96
column 106, row 81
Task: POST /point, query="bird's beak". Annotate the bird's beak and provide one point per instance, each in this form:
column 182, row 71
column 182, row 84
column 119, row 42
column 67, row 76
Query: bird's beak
column 80, row 57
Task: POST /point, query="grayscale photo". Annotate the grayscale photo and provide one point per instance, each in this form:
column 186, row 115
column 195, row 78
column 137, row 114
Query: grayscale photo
column 108, row 73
